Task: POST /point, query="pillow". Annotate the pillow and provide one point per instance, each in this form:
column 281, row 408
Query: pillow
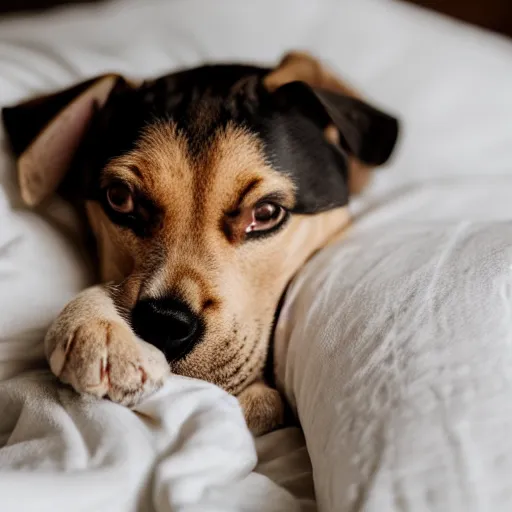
column 395, row 349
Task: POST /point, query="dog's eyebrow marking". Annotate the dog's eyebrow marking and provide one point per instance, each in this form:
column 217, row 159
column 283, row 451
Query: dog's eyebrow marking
column 135, row 170
column 248, row 188
column 277, row 197
column 120, row 169
column 245, row 192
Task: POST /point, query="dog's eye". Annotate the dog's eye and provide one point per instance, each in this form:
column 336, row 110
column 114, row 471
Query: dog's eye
column 120, row 198
column 265, row 216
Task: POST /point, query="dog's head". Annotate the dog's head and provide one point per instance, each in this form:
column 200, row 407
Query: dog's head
column 206, row 190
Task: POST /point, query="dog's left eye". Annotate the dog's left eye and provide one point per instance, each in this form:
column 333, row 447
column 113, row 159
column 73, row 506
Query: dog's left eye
column 120, row 198
column 265, row 216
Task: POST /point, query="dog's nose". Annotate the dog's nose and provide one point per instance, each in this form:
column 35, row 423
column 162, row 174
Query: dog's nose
column 168, row 324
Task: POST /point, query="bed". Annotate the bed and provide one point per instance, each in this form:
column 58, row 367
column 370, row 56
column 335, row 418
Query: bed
column 393, row 346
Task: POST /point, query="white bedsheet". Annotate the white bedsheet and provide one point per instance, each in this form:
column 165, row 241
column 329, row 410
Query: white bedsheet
column 449, row 83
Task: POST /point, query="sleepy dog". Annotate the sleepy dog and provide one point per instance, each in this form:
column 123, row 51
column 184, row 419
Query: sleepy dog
column 205, row 190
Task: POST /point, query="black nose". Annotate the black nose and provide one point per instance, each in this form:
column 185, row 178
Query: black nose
column 168, row 324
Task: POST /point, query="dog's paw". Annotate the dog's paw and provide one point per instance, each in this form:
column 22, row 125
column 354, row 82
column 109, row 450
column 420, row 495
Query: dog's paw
column 263, row 408
column 102, row 357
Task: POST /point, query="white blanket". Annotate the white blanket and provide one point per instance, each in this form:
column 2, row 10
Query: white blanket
column 187, row 448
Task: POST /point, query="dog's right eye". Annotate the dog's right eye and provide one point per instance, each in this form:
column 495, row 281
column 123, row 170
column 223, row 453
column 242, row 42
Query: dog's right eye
column 120, row 197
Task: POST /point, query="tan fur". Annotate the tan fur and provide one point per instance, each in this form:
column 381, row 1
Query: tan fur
column 262, row 406
column 360, row 174
column 306, row 68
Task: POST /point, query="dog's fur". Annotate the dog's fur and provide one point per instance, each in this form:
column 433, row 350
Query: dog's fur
column 198, row 149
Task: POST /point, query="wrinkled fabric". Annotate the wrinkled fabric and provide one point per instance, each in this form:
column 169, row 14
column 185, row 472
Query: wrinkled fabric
column 402, row 357
column 188, row 449
column 185, row 448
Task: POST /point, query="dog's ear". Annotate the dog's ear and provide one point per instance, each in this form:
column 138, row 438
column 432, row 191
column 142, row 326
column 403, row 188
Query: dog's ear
column 46, row 132
column 367, row 134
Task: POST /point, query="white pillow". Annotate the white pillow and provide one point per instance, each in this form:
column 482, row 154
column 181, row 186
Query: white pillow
column 395, row 347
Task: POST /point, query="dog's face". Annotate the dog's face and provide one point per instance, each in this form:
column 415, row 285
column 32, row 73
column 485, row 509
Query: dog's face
column 206, row 190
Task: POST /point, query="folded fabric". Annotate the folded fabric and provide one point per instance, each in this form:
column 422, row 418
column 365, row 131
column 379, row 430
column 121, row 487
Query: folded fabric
column 186, row 448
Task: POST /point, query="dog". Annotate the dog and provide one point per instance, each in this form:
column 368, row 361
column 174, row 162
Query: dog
column 205, row 191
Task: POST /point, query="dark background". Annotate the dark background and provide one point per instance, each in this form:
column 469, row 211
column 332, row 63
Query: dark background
column 492, row 14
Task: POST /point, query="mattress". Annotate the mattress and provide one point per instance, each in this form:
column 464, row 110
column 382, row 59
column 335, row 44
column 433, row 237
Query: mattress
column 187, row 448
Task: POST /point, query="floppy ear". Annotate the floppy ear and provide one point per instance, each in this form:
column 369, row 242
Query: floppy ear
column 367, row 134
column 45, row 133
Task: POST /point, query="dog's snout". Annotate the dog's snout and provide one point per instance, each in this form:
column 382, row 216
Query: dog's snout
column 168, row 324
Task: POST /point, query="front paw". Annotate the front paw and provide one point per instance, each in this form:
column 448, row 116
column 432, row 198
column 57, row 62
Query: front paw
column 263, row 408
column 102, row 357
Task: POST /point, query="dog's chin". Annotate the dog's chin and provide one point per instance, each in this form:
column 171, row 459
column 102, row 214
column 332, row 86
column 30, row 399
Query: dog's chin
column 230, row 363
